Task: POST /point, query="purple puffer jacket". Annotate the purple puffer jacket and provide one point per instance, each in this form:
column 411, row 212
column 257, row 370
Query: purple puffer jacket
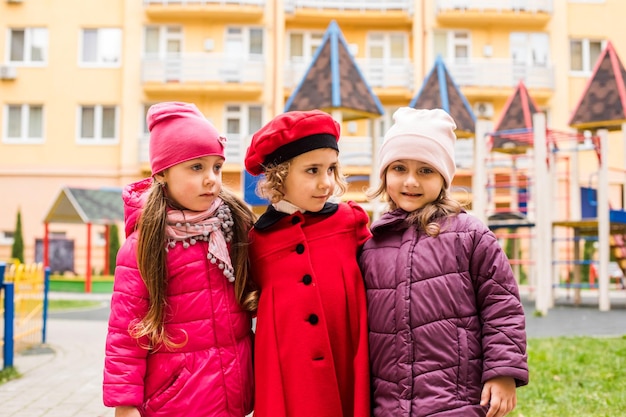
column 444, row 316
column 211, row 374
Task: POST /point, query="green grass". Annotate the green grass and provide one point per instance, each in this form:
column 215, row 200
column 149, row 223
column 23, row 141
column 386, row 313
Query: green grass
column 581, row 376
column 60, row 305
column 8, row 374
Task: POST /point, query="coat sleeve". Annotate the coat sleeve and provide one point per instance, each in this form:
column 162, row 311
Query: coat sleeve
column 125, row 358
column 361, row 220
column 501, row 311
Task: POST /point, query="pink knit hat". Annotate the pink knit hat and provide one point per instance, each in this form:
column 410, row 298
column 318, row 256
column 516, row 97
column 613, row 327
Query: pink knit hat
column 421, row 135
column 178, row 133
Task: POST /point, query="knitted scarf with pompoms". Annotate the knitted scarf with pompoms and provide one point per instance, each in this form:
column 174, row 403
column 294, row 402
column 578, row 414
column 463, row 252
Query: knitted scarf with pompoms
column 213, row 226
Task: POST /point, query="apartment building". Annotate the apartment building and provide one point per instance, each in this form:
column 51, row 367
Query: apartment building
column 77, row 76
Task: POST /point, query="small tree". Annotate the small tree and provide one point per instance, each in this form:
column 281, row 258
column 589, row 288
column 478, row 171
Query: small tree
column 17, row 250
column 114, row 246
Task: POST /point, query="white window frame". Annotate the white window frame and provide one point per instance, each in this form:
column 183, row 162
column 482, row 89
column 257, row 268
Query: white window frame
column 7, row 237
column 97, row 139
column 383, row 39
column 311, row 41
column 30, row 33
column 241, row 113
column 452, row 41
column 24, row 138
column 529, row 46
column 238, row 43
column 103, row 42
column 586, row 59
column 166, row 33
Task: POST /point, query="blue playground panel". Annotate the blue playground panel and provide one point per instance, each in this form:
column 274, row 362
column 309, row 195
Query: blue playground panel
column 589, row 206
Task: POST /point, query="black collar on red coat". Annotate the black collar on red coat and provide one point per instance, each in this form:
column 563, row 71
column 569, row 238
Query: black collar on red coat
column 273, row 216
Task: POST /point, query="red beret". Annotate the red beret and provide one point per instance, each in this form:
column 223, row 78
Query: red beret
column 288, row 135
column 179, row 133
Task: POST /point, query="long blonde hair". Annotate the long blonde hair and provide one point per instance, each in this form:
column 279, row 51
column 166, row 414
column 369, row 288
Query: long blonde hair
column 151, row 260
column 429, row 218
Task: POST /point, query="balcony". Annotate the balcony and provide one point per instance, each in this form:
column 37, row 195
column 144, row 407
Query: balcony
column 225, row 10
column 500, row 73
column 378, row 74
column 202, row 70
column 371, row 13
column 506, row 13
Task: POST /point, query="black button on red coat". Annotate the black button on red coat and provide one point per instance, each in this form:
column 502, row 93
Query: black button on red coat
column 313, row 319
column 307, row 279
column 295, row 220
column 300, row 248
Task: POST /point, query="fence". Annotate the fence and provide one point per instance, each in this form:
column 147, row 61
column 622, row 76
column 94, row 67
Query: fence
column 24, row 304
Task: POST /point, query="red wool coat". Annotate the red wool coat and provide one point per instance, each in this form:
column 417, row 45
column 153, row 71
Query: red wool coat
column 311, row 352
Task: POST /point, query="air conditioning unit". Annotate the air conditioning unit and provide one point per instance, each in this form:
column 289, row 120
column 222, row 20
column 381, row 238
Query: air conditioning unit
column 483, row 110
column 7, row 72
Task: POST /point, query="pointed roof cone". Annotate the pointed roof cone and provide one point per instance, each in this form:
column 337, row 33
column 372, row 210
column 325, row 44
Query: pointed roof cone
column 603, row 104
column 514, row 130
column 333, row 81
column 440, row 91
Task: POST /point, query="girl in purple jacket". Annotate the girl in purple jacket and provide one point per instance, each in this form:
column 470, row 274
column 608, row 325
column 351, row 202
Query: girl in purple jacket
column 446, row 325
column 180, row 335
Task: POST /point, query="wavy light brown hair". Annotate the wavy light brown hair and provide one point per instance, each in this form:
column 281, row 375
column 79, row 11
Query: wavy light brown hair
column 151, row 260
column 430, row 217
column 272, row 185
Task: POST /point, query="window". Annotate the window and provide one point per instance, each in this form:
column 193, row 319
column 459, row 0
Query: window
column 244, row 42
column 101, row 47
column 242, row 121
column 530, row 49
column 97, row 124
column 162, row 41
column 387, row 47
column 28, row 46
column 24, row 123
column 584, row 54
column 303, row 45
column 453, row 46
column 7, row 238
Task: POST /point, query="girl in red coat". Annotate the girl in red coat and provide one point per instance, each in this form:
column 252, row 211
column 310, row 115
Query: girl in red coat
column 311, row 355
column 180, row 329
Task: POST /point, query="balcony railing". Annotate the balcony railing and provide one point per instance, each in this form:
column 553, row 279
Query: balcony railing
column 500, row 73
column 355, row 151
column 378, row 74
column 356, row 5
column 202, row 67
column 496, row 5
column 204, row 2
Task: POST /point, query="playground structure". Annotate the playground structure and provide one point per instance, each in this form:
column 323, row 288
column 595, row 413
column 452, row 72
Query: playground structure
column 548, row 220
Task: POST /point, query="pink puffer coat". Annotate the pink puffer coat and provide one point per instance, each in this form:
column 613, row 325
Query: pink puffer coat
column 211, row 374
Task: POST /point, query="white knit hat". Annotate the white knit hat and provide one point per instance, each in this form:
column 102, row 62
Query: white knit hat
column 421, row 135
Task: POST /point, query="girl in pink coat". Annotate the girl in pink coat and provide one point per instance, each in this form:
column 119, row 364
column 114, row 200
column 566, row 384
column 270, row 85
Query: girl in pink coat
column 180, row 340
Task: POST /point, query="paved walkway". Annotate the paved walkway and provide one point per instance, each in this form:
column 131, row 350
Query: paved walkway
column 64, row 377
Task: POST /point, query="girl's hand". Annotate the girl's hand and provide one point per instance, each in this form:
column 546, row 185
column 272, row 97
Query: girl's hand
column 499, row 393
column 127, row 412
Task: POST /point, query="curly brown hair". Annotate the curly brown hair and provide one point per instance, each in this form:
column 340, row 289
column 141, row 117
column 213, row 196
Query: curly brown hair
column 272, row 185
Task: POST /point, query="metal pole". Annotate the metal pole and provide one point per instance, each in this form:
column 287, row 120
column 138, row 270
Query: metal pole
column 9, row 318
column 46, row 289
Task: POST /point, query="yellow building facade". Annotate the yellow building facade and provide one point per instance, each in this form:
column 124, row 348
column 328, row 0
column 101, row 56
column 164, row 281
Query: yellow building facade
column 77, row 76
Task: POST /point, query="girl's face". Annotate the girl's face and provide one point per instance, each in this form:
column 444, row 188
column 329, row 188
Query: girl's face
column 194, row 184
column 311, row 179
column 412, row 184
